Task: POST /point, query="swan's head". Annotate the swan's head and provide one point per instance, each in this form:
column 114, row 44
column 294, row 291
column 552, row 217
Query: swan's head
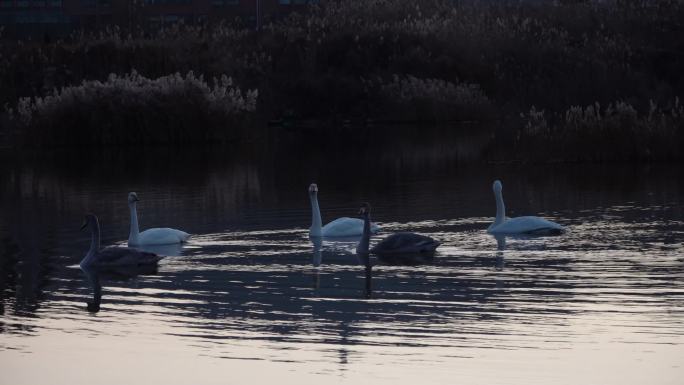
column 497, row 186
column 313, row 188
column 364, row 209
column 132, row 198
column 89, row 221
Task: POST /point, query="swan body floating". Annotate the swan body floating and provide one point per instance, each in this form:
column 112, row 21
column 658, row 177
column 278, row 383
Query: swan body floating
column 397, row 245
column 154, row 236
column 520, row 225
column 407, row 243
column 340, row 227
column 113, row 255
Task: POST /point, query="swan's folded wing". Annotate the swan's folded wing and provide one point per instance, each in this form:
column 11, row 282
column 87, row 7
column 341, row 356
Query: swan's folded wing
column 114, row 255
column 162, row 236
column 528, row 225
column 343, row 227
column 405, row 243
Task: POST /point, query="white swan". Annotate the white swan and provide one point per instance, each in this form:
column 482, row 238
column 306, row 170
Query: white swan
column 113, row 255
column 340, row 227
column 519, row 225
column 154, row 236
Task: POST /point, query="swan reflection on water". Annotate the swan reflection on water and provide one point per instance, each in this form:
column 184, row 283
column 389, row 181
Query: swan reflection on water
column 317, row 259
column 317, row 253
column 114, row 273
column 500, row 248
column 364, row 259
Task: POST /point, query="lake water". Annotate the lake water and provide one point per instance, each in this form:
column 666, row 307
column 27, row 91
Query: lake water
column 244, row 303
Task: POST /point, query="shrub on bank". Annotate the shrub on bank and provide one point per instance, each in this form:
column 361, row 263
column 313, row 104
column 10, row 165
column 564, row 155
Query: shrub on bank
column 133, row 109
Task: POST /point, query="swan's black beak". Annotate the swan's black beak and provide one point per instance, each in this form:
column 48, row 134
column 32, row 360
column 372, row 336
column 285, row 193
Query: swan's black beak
column 83, row 226
column 135, row 199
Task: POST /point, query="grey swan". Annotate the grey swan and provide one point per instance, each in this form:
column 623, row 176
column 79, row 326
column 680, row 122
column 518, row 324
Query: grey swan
column 113, row 255
column 400, row 247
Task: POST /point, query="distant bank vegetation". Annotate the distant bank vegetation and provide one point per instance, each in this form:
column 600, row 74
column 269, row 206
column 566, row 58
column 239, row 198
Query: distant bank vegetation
column 385, row 60
column 132, row 109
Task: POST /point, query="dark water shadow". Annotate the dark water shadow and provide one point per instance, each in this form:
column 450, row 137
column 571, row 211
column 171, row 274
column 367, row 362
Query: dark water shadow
column 94, row 275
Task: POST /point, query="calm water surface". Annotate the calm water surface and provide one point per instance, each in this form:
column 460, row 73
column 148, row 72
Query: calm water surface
column 244, row 303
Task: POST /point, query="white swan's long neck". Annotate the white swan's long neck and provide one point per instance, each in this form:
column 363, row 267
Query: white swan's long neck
column 364, row 243
column 316, row 223
column 135, row 231
column 500, row 208
column 94, row 244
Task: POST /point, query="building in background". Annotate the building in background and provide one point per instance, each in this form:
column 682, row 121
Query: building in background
column 45, row 18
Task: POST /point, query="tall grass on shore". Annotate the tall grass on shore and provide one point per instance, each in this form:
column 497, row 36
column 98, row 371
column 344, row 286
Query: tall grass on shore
column 412, row 99
column 132, row 109
column 614, row 133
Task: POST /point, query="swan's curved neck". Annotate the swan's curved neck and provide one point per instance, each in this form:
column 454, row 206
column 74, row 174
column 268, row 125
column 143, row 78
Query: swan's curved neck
column 316, row 223
column 94, row 244
column 135, row 231
column 364, row 243
column 500, row 208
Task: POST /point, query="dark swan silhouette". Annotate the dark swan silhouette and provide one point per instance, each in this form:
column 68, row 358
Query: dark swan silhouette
column 112, row 255
column 396, row 247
